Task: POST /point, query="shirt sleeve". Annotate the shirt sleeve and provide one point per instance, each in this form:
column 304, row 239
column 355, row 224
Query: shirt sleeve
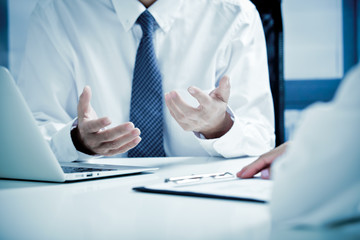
column 244, row 60
column 46, row 79
column 317, row 181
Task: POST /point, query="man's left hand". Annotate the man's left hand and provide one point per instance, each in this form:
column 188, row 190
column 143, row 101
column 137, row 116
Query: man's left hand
column 210, row 117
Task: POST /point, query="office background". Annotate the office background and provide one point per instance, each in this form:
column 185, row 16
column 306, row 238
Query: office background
column 321, row 42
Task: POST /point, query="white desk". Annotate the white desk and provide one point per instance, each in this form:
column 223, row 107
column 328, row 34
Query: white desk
column 110, row 209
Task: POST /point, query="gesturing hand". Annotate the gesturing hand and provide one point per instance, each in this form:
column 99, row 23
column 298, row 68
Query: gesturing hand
column 263, row 163
column 210, row 117
column 92, row 137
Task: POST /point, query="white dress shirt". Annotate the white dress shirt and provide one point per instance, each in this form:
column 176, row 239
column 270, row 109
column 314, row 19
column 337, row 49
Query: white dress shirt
column 317, row 181
column 76, row 43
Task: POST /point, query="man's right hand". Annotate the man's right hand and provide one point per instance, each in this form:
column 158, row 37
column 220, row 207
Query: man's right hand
column 94, row 138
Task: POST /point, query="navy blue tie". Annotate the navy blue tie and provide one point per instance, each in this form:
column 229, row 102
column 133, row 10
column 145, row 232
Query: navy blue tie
column 146, row 109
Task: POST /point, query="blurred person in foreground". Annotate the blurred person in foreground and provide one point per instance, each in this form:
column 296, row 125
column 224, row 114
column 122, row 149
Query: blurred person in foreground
column 316, row 175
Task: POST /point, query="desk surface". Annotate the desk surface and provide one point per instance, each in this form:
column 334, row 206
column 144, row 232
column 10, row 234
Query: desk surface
column 110, row 209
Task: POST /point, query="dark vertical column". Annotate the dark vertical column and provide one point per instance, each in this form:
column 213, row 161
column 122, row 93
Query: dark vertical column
column 350, row 34
column 271, row 17
column 4, row 34
column 357, row 17
column 280, row 117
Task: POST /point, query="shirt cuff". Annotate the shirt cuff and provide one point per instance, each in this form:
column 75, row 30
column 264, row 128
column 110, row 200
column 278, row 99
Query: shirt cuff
column 208, row 144
column 63, row 147
column 243, row 139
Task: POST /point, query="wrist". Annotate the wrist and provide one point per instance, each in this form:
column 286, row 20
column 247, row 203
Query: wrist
column 221, row 129
column 78, row 143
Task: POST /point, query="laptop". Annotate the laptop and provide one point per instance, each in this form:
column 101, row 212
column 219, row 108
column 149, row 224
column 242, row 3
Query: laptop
column 25, row 154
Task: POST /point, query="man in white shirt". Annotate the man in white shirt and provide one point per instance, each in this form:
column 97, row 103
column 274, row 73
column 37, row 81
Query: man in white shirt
column 316, row 179
column 74, row 44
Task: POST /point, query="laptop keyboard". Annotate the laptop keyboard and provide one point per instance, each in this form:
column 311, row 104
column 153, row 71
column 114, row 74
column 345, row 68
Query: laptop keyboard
column 82, row 169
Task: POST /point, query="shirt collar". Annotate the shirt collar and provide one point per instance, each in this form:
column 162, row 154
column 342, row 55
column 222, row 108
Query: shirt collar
column 164, row 12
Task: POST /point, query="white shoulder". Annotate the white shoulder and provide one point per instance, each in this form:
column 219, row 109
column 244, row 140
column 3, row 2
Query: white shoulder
column 348, row 92
column 245, row 5
column 245, row 9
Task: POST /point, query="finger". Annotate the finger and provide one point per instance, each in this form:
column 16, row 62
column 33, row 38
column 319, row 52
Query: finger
column 119, row 142
column 238, row 174
column 203, row 98
column 175, row 112
column 114, row 133
column 170, row 111
column 84, row 103
column 222, row 92
column 253, row 169
column 94, row 126
column 265, row 173
column 187, row 122
column 179, row 105
column 168, row 102
column 125, row 147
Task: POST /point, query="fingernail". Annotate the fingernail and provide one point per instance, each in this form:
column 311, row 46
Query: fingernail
column 106, row 121
column 135, row 132
column 191, row 90
column 227, row 81
column 173, row 95
column 243, row 174
column 167, row 96
column 265, row 173
column 129, row 126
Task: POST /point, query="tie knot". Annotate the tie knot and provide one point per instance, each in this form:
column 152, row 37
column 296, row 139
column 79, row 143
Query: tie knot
column 146, row 21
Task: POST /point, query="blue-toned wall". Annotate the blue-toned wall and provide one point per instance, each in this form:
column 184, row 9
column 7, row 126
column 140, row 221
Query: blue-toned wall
column 321, row 41
column 313, row 50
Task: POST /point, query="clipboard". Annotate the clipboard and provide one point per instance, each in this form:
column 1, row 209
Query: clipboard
column 224, row 185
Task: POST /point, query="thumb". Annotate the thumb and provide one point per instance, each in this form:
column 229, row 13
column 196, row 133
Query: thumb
column 222, row 92
column 84, row 107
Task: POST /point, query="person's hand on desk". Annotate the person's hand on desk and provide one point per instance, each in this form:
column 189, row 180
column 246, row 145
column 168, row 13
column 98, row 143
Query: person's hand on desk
column 210, row 117
column 91, row 138
column 263, row 163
